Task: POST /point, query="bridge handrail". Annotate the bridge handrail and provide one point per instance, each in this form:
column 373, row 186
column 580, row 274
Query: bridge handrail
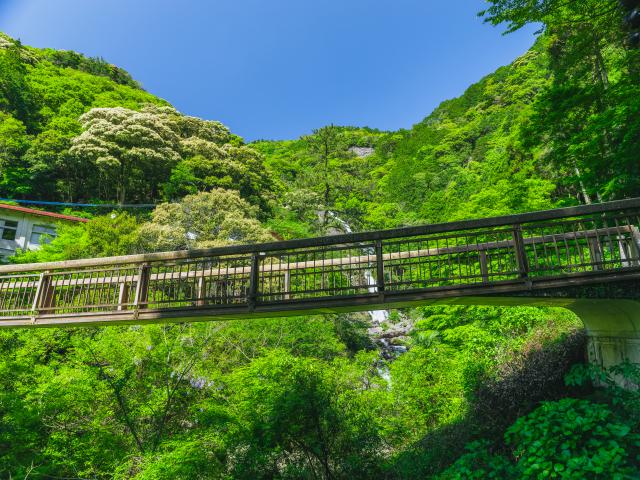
column 330, row 262
column 349, row 238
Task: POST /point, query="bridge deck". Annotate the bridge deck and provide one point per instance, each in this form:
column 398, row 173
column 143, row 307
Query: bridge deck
column 495, row 256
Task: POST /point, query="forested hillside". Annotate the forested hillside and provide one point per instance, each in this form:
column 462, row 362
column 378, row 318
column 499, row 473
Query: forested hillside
column 465, row 160
column 470, row 393
column 80, row 130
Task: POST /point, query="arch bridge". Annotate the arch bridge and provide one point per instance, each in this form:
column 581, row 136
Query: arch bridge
column 584, row 258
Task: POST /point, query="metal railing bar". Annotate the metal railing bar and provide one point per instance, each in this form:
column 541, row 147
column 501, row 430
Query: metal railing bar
column 333, row 240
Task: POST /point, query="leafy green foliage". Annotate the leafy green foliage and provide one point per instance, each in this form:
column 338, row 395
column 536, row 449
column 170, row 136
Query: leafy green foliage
column 573, row 439
column 104, row 236
column 480, row 463
column 17, row 97
column 131, row 400
column 94, row 66
column 64, row 116
column 321, row 173
column 587, row 111
column 568, row 439
column 310, row 397
column 235, row 168
column 304, row 418
column 621, row 383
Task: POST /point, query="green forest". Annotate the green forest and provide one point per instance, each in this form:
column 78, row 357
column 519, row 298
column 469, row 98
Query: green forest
column 465, row 392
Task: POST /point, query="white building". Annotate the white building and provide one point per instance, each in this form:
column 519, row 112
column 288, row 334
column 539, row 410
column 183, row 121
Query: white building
column 27, row 229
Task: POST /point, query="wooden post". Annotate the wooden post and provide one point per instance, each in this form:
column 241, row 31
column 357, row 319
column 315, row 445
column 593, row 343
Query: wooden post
column 123, row 296
column 484, row 269
column 287, row 284
column 634, row 245
column 595, row 253
column 623, row 251
column 47, row 295
column 254, row 280
column 44, row 299
column 628, row 249
column 142, row 288
column 521, row 254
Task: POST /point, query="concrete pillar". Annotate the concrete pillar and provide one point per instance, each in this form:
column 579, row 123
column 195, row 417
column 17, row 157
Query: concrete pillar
column 613, row 328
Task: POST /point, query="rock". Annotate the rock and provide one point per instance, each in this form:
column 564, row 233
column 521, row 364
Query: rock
column 362, row 152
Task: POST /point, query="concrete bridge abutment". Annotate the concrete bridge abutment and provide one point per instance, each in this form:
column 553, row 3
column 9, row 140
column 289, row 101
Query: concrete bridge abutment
column 613, row 330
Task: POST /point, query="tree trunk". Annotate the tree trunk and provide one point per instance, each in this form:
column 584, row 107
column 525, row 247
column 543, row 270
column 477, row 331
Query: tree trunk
column 327, row 186
column 585, row 194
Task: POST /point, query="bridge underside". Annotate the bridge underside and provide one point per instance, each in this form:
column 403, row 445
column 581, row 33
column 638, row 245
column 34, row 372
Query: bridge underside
column 585, row 259
column 608, row 307
column 580, row 293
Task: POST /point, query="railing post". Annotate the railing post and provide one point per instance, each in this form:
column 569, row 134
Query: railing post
column 634, row 245
column 254, row 280
column 287, row 284
column 47, row 293
column 44, row 299
column 142, row 287
column 595, row 253
column 123, row 296
column 484, row 268
column 521, row 254
column 201, row 291
column 624, row 250
column 379, row 267
column 36, row 299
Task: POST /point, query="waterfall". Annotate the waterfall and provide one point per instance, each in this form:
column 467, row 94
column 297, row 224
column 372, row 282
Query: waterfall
column 379, row 318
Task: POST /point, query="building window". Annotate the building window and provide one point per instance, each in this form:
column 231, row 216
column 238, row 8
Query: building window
column 42, row 234
column 9, row 229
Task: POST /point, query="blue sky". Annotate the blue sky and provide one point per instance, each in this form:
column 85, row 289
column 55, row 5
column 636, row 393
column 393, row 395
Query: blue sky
column 277, row 69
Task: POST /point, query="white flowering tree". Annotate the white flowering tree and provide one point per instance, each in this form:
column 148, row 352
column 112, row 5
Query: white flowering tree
column 139, row 152
column 193, row 127
column 206, row 219
column 133, row 151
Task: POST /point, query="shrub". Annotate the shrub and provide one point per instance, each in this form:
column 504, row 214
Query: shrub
column 572, row 438
column 567, row 439
column 479, row 463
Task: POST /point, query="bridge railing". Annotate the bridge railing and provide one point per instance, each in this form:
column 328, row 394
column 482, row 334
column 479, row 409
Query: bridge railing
column 572, row 243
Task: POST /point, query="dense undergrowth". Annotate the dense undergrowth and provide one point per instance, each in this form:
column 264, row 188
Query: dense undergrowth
column 482, row 392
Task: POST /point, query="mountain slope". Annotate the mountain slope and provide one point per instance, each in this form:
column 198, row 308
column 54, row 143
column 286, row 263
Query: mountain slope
column 79, row 129
column 42, row 95
column 466, row 159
